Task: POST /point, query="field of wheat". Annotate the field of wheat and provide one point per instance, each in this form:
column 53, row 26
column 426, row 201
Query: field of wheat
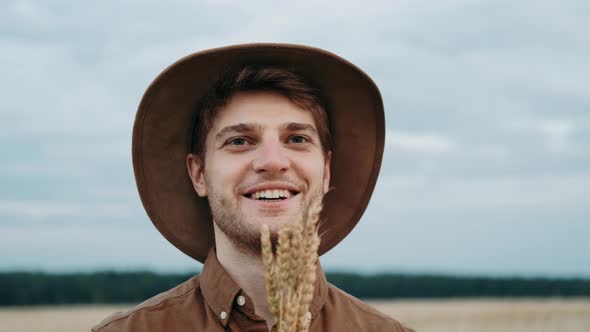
column 485, row 315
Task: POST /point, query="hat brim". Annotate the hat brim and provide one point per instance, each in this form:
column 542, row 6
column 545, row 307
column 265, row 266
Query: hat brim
column 164, row 121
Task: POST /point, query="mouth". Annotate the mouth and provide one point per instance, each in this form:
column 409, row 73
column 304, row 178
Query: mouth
column 271, row 195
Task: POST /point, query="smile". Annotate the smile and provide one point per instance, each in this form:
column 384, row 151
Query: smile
column 271, row 194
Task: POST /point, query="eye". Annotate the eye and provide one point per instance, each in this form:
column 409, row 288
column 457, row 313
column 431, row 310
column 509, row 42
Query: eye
column 238, row 141
column 298, row 139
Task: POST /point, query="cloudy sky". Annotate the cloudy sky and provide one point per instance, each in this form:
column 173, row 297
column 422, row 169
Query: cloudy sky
column 487, row 163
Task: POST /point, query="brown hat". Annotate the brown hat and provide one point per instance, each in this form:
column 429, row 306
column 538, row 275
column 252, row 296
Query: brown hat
column 163, row 127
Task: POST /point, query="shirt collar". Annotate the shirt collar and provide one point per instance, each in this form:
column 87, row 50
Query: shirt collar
column 220, row 290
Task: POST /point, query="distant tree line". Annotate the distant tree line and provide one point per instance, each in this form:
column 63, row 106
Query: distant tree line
column 386, row 286
column 28, row 288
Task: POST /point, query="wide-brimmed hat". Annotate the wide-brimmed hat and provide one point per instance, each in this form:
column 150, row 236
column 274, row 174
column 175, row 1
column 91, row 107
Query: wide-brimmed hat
column 163, row 128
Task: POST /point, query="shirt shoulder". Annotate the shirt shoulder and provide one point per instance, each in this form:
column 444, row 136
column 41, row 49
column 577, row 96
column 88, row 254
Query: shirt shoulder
column 360, row 316
column 153, row 310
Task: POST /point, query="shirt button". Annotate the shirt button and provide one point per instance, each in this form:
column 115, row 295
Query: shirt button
column 241, row 300
column 223, row 315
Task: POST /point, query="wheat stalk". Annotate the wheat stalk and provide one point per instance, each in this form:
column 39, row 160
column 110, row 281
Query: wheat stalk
column 311, row 243
column 270, row 272
column 290, row 277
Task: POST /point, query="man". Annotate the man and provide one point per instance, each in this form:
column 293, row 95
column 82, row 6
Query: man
column 262, row 131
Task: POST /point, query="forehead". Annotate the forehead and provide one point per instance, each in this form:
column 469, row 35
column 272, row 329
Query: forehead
column 269, row 109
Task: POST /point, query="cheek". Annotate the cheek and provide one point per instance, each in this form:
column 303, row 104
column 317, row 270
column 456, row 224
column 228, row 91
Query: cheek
column 225, row 174
column 314, row 170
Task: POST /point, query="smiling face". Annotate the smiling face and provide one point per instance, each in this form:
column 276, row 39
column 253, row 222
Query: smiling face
column 264, row 164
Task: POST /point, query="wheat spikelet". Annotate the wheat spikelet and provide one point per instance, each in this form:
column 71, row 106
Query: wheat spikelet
column 313, row 218
column 291, row 276
column 283, row 266
column 311, row 243
column 297, row 266
column 291, row 319
column 283, row 253
column 307, row 282
column 297, row 253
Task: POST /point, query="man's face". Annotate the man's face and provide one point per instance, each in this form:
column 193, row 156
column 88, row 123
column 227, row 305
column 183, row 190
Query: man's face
column 264, row 164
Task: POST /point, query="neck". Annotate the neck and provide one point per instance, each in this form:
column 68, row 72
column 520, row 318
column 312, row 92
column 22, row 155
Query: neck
column 246, row 270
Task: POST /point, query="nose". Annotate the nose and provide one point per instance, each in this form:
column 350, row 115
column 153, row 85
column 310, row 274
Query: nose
column 271, row 158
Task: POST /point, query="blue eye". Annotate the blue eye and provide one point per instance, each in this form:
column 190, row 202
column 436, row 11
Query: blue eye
column 237, row 141
column 298, row 139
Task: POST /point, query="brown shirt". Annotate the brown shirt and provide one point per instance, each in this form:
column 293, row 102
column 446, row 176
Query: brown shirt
column 212, row 301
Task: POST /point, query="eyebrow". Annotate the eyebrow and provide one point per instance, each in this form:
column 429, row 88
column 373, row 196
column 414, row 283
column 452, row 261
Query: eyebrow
column 250, row 127
column 239, row 128
column 295, row 126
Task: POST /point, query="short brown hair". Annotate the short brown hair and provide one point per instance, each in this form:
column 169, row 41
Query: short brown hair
column 286, row 82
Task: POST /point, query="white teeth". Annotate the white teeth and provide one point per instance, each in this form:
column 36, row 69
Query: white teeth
column 272, row 193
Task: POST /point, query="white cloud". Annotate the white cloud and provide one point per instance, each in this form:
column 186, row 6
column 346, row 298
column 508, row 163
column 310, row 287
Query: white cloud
column 535, row 193
column 111, row 149
column 43, row 209
column 28, row 10
column 557, row 133
column 426, row 143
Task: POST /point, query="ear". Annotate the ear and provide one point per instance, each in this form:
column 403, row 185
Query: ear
column 327, row 162
column 195, row 169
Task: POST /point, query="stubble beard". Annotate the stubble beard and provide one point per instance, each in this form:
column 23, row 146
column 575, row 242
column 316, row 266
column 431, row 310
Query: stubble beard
column 242, row 230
